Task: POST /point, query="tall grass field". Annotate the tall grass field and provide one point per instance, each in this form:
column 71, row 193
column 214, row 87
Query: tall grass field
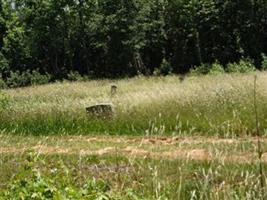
column 169, row 139
column 219, row 105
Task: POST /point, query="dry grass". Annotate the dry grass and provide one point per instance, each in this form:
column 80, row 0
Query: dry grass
column 135, row 92
column 235, row 150
column 213, row 105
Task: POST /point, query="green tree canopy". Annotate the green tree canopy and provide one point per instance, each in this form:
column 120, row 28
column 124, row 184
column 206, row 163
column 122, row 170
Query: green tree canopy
column 116, row 38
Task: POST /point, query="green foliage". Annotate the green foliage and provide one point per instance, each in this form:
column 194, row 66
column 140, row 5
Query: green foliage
column 2, row 26
column 4, row 101
column 150, row 178
column 165, row 68
column 242, row 67
column 16, row 49
column 36, row 78
column 119, row 38
column 96, row 190
column 202, row 69
column 34, row 187
column 3, row 63
column 264, row 62
column 216, row 68
column 74, row 76
column 26, row 78
column 31, row 184
column 2, row 84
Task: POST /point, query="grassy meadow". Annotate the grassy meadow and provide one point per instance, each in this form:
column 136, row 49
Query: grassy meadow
column 219, row 105
column 129, row 168
column 169, row 140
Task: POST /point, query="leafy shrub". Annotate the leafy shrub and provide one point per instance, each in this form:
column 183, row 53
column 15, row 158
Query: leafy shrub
column 164, row 69
column 216, row 68
column 264, row 62
column 30, row 184
column 202, row 69
column 96, row 190
column 36, row 78
column 17, row 79
column 3, row 84
column 34, row 187
column 242, row 67
column 74, row 76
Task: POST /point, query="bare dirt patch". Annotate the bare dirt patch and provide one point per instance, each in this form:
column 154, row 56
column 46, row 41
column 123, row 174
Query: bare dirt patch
column 133, row 152
column 43, row 149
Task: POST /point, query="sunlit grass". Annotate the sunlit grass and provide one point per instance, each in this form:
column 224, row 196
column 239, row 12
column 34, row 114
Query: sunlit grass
column 208, row 105
column 147, row 167
column 145, row 178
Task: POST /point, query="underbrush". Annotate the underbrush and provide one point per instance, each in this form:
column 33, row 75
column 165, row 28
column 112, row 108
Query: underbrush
column 31, row 183
column 243, row 66
column 16, row 79
column 119, row 178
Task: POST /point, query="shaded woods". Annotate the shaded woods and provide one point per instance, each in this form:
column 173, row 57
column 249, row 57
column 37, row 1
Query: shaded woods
column 118, row 38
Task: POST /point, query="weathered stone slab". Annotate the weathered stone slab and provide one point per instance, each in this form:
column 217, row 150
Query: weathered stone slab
column 103, row 110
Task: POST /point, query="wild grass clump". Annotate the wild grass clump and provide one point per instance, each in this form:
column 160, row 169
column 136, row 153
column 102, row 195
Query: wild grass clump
column 209, row 105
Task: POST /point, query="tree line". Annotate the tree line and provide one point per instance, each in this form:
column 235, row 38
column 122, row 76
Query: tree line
column 118, row 38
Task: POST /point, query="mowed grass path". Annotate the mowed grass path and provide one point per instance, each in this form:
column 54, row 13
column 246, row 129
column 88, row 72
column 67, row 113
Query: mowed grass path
column 219, row 105
column 235, row 150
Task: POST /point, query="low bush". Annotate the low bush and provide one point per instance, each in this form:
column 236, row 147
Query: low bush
column 36, row 78
column 32, row 184
column 20, row 79
column 264, row 62
column 199, row 70
column 3, row 84
column 216, row 68
column 243, row 66
column 74, row 76
column 164, row 69
column 205, row 69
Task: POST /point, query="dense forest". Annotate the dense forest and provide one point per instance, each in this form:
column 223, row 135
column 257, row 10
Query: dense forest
column 118, row 38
